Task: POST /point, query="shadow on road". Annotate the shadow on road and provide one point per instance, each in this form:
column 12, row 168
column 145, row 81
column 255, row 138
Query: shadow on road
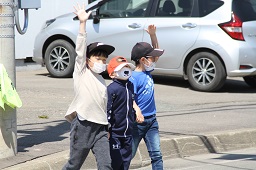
column 237, row 157
column 36, row 136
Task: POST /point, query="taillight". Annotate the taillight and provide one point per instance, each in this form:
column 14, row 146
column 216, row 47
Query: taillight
column 233, row 28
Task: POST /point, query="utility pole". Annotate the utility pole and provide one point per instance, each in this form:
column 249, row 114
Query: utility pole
column 8, row 120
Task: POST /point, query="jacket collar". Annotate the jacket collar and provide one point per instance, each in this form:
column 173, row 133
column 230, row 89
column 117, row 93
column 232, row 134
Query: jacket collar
column 123, row 82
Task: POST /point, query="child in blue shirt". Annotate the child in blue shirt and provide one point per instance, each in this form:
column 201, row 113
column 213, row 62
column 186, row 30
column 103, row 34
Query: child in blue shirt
column 145, row 57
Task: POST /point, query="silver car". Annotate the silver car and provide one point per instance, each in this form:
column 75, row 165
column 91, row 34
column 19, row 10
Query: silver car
column 204, row 40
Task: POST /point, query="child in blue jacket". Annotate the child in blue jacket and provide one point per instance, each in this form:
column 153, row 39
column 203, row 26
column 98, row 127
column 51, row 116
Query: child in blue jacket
column 122, row 112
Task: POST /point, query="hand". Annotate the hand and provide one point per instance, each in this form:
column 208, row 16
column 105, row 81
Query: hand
column 81, row 13
column 139, row 117
column 151, row 29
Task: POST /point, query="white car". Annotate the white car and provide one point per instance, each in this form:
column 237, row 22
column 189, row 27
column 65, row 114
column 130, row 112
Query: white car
column 204, row 40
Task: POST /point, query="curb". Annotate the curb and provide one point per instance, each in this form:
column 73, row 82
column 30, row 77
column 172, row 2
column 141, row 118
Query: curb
column 199, row 144
column 171, row 148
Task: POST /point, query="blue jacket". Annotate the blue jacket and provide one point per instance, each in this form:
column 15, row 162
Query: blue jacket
column 121, row 114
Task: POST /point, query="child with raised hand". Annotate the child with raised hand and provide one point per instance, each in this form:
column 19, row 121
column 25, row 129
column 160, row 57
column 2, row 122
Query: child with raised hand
column 87, row 112
column 121, row 110
column 145, row 57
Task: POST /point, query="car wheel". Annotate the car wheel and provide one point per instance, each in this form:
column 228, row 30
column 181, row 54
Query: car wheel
column 250, row 80
column 60, row 58
column 206, row 72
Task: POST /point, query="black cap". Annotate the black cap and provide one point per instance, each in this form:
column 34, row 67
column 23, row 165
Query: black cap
column 100, row 46
column 143, row 49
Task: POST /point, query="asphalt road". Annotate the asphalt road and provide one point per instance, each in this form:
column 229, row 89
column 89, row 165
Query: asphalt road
column 42, row 129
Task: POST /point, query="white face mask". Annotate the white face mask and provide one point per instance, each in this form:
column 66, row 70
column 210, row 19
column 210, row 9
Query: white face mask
column 124, row 73
column 98, row 67
column 151, row 66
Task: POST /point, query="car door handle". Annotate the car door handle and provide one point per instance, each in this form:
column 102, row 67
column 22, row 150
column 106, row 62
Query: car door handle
column 134, row 25
column 189, row 25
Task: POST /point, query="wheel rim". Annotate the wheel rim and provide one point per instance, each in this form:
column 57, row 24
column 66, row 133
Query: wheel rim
column 204, row 71
column 59, row 59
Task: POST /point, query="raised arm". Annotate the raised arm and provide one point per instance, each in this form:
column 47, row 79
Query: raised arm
column 82, row 16
column 152, row 33
column 81, row 44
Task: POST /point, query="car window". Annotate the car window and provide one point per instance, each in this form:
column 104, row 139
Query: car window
column 208, row 6
column 184, row 8
column 123, row 8
column 166, row 8
column 245, row 9
column 175, row 8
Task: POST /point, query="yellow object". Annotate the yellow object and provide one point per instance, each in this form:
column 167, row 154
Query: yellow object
column 8, row 93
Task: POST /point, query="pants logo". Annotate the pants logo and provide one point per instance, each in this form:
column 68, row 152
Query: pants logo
column 116, row 146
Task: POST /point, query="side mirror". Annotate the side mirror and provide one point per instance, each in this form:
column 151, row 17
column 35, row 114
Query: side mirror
column 95, row 16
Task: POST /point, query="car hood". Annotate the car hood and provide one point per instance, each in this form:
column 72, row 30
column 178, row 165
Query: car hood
column 65, row 15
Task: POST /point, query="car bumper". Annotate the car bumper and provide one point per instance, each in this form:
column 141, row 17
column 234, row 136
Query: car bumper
column 38, row 60
column 236, row 54
column 246, row 57
column 38, row 47
column 243, row 73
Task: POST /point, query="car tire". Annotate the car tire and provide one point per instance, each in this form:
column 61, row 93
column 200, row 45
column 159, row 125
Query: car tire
column 206, row 72
column 250, row 80
column 60, row 59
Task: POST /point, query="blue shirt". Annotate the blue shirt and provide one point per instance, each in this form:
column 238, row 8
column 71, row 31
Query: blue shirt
column 144, row 92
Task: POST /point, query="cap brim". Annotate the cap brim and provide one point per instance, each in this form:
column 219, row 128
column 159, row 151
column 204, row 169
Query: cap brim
column 119, row 67
column 156, row 52
column 108, row 48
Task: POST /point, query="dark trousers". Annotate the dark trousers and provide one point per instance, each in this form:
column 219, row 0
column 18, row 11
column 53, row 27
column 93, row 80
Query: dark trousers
column 121, row 152
column 86, row 136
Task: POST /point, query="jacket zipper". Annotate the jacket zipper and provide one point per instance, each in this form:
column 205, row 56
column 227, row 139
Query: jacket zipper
column 127, row 105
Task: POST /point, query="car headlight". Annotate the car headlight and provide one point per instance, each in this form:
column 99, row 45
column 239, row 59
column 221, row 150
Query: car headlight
column 47, row 23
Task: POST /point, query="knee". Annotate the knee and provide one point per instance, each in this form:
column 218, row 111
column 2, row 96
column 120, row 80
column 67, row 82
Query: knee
column 155, row 155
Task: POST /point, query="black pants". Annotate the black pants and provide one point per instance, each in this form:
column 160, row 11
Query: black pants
column 86, row 136
column 121, row 152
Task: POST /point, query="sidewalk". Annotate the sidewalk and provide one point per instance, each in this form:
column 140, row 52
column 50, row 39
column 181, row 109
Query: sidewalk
column 172, row 148
column 187, row 126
